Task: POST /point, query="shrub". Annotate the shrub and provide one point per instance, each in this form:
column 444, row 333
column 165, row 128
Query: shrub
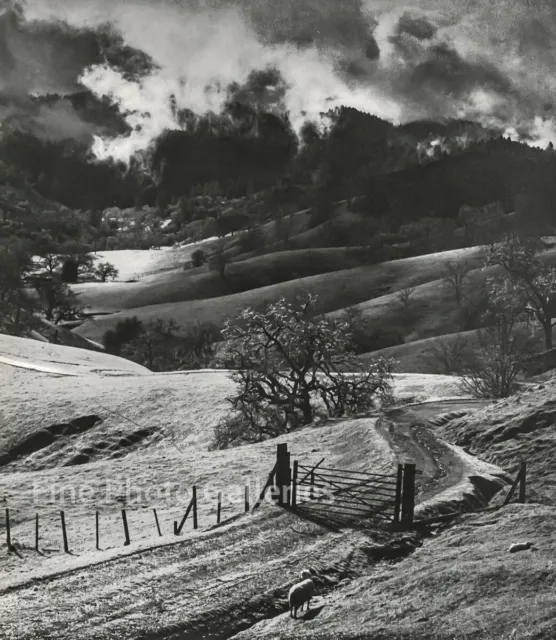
column 198, row 258
column 124, row 331
column 70, row 270
column 366, row 337
column 105, row 270
column 164, row 346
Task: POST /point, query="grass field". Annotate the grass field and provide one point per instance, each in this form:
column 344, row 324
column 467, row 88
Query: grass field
column 46, row 385
column 335, row 290
column 177, row 285
column 150, row 445
column 136, row 263
column 460, row 584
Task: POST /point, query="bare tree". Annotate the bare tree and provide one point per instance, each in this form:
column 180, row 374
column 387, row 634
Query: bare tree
column 57, row 300
column 219, row 261
column 404, row 304
column 490, row 368
column 404, row 297
column 448, row 356
column 527, row 276
column 455, row 275
column 285, row 359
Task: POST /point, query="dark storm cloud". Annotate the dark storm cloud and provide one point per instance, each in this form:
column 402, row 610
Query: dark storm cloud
column 40, row 58
column 473, row 59
column 339, row 27
column 324, row 22
column 264, row 89
column 417, row 26
column 446, row 71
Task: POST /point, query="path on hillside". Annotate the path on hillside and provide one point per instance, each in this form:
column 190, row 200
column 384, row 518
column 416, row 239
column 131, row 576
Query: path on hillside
column 406, row 431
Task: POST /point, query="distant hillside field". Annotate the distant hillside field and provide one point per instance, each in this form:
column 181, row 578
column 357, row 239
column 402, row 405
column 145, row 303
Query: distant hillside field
column 136, row 263
column 177, row 285
column 336, row 290
column 419, row 355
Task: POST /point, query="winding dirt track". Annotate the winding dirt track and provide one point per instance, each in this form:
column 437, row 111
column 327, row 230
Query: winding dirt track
column 410, row 438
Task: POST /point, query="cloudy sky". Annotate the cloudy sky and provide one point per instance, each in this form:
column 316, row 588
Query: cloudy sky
column 487, row 60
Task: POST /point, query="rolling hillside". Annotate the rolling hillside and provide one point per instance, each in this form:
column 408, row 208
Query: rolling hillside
column 171, row 284
column 72, row 418
column 336, row 290
column 238, row 574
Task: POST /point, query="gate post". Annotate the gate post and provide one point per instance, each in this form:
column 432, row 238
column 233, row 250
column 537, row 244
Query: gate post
column 408, row 495
column 398, row 503
column 294, row 485
column 283, row 474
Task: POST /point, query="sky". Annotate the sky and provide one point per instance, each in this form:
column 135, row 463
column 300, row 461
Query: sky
column 493, row 61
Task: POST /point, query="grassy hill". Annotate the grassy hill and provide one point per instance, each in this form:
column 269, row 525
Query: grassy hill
column 509, row 431
column 74, row 419
column 89, row 433
column 236, row 576
column 170, row 284
column 336, row 290
column 459, row 583
column 462, row 584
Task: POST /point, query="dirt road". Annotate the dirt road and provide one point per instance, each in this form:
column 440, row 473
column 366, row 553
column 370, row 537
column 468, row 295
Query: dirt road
column 411, row 437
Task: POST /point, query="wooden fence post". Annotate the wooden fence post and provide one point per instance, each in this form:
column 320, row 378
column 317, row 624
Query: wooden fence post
column 219, row 507
column 36, row 532
column 269, row 482
column 312, row 489
column 64, row 532
column 194, row 507
column 157, row 523
column 246, row 498
column 288, row 494
column 398, row 502
column 523, row 483
column 513, row 488
column 97, row 531
column 408, row 495
column 8, row 531
column 282, row 473
column 179, row 527
column 294, row 484
column 126, row 529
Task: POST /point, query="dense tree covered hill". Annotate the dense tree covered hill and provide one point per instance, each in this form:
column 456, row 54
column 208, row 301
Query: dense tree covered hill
column 27, row 215
column 496, row 170
column 397, row 173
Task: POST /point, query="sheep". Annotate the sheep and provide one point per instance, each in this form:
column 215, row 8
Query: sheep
column 299, row 594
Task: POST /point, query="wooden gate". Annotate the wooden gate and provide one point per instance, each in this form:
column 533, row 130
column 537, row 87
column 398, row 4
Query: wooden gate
column 342, row 495
column 345, row 494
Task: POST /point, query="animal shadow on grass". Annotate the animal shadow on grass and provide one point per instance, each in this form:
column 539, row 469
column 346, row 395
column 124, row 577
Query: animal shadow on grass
column 312, row 613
